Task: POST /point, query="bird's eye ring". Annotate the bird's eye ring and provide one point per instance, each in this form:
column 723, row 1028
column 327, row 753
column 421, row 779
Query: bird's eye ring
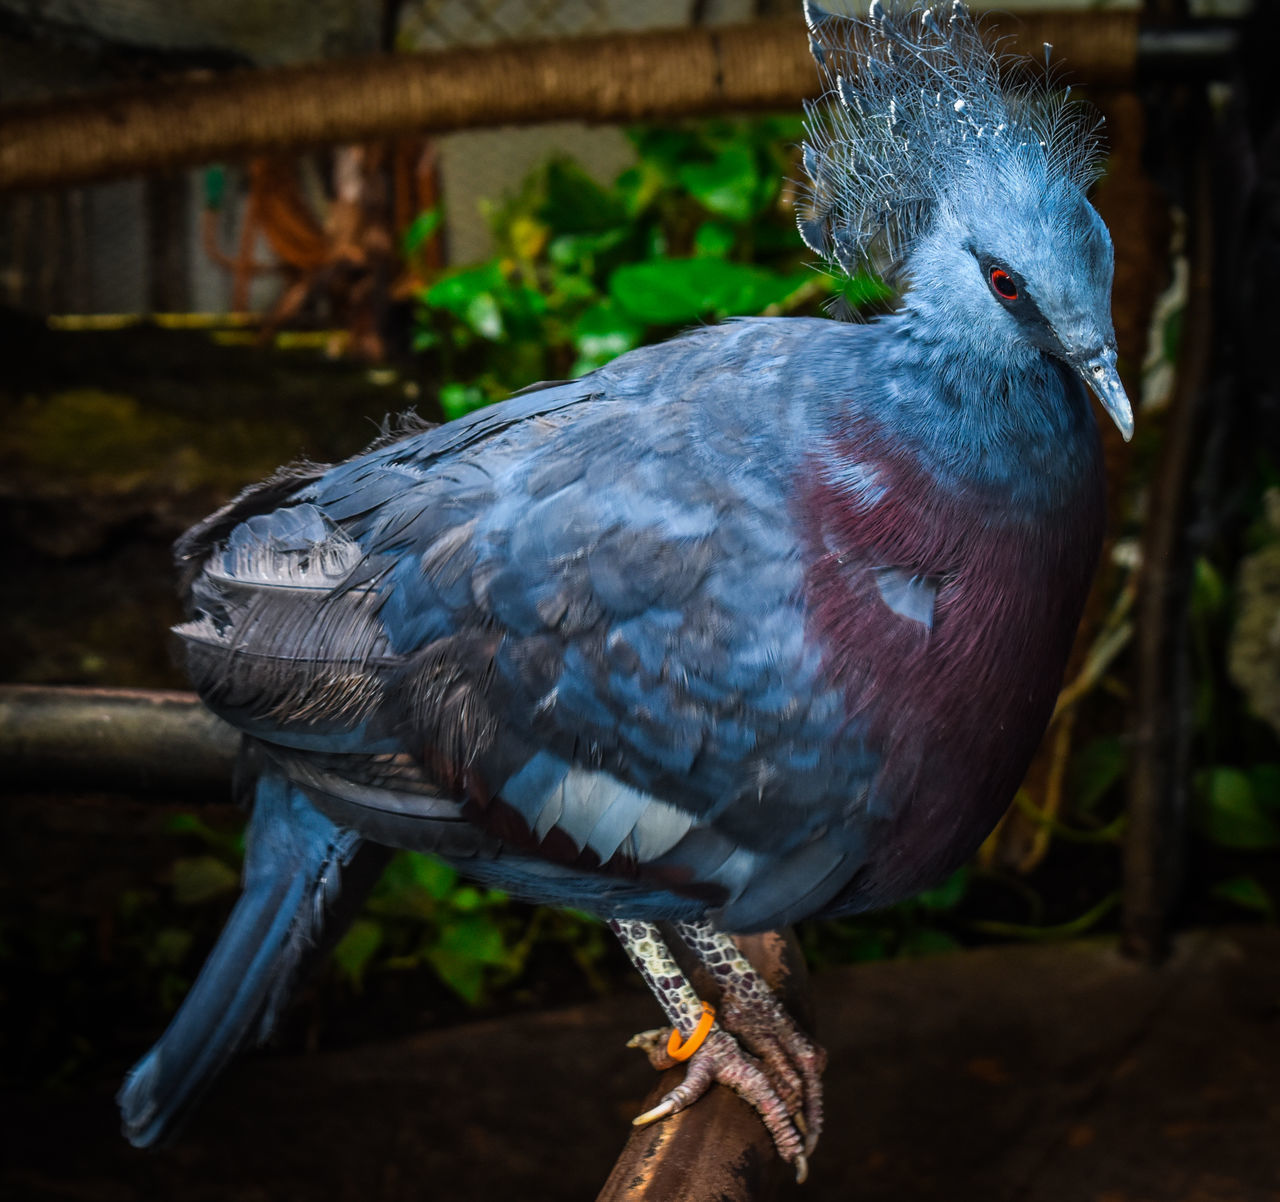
column 1002, row 284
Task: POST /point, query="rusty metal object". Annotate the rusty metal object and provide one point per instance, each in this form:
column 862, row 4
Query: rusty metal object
column 718, row 1148
column 1136, row 211
column 1164, row 695
column 614, row 78
column 135, row 740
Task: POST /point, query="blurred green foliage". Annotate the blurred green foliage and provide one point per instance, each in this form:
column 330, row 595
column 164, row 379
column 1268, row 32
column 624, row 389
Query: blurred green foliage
column 699, row 229
column 1235, row 791
column 421, row 914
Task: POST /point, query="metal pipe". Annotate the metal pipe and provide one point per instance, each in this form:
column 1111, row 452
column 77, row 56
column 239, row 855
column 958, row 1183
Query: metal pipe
column 134, row 740
column 1155, row 844
column 1200, row 50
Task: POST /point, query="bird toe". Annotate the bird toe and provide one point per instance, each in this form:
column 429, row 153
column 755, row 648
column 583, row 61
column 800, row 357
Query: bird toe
column 792, row 1061
column 782, row 1105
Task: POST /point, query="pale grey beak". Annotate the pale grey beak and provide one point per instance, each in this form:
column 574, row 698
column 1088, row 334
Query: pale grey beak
column 1099, row 373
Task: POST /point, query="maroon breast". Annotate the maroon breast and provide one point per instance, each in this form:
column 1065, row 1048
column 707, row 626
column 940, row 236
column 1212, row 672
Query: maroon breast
column 956, row 704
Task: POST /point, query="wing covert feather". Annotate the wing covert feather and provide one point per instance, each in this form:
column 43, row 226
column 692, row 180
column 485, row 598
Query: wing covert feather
column 583, row 618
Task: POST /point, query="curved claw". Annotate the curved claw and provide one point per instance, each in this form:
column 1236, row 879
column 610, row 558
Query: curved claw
column 722, row 1059
column 791, row 1059
column 667, row 1106
column 756, row 1049
column 654, row 1045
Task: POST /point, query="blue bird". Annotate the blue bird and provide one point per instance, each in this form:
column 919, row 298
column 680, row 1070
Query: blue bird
column 758, row 624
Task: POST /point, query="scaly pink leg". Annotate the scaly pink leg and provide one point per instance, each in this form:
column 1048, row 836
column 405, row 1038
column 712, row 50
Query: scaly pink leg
column 751, row 1012
column 785, row 1095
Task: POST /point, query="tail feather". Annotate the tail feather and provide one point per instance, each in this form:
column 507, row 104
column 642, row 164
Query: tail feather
column 304, row 877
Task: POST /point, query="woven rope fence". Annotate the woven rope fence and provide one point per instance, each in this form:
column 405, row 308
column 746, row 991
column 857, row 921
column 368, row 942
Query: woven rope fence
column 614, row 78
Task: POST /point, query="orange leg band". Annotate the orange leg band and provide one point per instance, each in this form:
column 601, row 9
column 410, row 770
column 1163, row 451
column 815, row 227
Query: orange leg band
column 682, row 1051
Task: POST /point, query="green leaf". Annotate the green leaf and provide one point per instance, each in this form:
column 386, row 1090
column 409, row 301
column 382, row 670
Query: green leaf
column 580, row 250
column 459, row 399
column 569, row 292
column 601, row 333
column 1246, row 892
column 477, row 937
column 1208, row 590
column 355, row 949
column 435, row 876
column 169, row 947
column 464, row 950
column 665, row 148
column 484, row 316
column 870, row 946
column 1095, row 768
column 1265, row 779
column 784, row 128
column 927, row 942
column 464, row 976
column 714, row 240
column 1229, row 813
column 638, row 188
column 575, row 203
column 728, row 186
column 197, row 879
column 948, row 895
column 456, row 291
column 420, row 229
column 862, row 289
column 671, row 291
column 467, row 898
column 229, row 845
column 524, row 309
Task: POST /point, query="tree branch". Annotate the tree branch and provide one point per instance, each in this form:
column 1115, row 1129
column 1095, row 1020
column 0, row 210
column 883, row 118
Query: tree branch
column 614, row 78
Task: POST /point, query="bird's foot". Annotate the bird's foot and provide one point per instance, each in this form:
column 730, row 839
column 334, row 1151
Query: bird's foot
column 791, row 1060
column 751, row 1012
column 722, row 1059
column 755, row 1048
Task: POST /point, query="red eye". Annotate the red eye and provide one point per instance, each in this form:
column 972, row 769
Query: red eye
column 1002, row 284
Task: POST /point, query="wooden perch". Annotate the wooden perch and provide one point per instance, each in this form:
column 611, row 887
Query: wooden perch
column 717, row 1149
column 613, row 78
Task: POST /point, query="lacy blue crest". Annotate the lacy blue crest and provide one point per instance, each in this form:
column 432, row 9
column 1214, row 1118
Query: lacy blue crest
column 919, row 105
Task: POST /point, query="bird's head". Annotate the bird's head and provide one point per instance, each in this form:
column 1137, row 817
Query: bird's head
column 967, row 193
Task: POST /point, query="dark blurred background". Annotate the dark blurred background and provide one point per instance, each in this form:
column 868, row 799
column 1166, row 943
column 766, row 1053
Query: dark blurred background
column 172, row 329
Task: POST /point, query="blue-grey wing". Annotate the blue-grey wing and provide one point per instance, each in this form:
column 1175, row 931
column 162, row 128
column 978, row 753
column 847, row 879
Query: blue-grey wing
column 567, row 640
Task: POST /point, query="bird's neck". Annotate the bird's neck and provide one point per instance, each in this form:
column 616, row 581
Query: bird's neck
column 978, row 413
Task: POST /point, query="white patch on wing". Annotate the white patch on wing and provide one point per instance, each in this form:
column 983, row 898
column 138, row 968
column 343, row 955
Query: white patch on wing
column 598, row 811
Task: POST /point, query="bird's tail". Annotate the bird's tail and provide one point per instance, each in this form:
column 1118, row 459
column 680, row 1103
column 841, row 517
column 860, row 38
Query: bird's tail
column 304, row 877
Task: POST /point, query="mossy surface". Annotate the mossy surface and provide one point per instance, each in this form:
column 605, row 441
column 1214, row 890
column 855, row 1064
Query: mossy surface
column 112, row 442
